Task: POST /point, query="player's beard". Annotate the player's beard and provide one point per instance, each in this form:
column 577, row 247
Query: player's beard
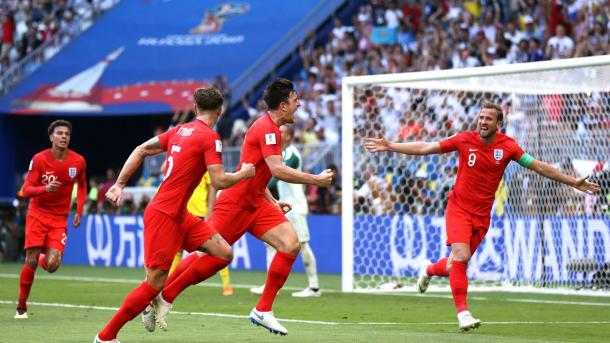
column 486, row 133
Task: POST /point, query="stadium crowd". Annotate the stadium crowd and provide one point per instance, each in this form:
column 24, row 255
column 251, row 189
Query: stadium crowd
column 408, row 35
column 28, row 24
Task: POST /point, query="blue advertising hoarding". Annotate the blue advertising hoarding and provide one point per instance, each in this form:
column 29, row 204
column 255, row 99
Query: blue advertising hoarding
column 517, row 248
column 108, row 240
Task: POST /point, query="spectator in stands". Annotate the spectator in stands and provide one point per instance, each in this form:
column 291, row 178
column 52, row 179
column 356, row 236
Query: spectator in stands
column 560, row 45
column 105, row 186
column 534, row 53
column 8, row 33
column 519, row 53
column 29, row 41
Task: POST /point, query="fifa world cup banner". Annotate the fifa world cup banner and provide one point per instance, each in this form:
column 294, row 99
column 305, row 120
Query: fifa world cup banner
column 118, row 241
column 515, row 249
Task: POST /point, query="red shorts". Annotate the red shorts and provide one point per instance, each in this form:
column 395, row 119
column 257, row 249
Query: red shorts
column 163, row 237
column 232, row 221
column 464, row 227
column 39, row 234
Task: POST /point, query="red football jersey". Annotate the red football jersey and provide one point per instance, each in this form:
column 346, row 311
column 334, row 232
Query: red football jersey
column 190, row 149
column 262, row 140
column 54, row 207
column 480, row 169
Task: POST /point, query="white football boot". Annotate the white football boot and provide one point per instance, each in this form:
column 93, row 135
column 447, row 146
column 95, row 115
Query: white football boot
column 98, row 340
column 467, row 322
column 162, row 309
column 148, row 318
column 257, row 290
column 423, row 281
column 268, row 321
column 21, row 313
column 307, row 293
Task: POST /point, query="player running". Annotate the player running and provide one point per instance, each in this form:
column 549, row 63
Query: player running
column 294, row 194
column 191, row 149
column 49, row 182
column 249, row 207
column 483, row 157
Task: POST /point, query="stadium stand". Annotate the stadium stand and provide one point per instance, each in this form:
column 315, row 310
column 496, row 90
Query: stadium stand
column 34, row 31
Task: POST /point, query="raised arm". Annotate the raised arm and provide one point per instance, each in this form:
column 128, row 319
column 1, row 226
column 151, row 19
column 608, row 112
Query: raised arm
column 151, row 147
column 550, row 172
column 222, row 180
column 412, row 148
column 287, row 174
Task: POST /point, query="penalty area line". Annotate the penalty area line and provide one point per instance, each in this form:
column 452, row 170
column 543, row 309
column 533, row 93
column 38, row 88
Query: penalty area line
column 314, row 322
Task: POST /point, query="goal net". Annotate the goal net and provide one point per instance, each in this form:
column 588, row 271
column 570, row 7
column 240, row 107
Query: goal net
column 543, row 235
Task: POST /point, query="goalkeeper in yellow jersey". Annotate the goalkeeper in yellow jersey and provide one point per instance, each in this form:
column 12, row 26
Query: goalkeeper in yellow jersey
column 200, row 205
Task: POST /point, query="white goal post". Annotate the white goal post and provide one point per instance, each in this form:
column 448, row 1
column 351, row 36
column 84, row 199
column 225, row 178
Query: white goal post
column 543, row 235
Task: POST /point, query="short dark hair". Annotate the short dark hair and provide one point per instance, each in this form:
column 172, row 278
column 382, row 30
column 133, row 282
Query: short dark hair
column 57, row 123
column 277, row 92
column 208, row 98
column 493, row 105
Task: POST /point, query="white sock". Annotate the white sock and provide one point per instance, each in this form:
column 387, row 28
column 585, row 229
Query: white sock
column 310, row 265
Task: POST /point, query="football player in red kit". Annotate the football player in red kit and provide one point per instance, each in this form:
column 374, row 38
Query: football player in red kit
column 49, row 183
column 483, row 157
column 192, row 149
column 249, row 207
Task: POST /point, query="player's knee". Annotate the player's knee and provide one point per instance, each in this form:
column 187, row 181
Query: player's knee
column 226, row 254
column 289, row 246
column 461, row 256
column 31, row 261
column 294, row 247
column 53, row 265
column 156, row 280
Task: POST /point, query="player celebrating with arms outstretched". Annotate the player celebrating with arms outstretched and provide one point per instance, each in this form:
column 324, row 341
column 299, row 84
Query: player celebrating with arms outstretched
column 249, row 207
column 483, row 157
column 191, row 149
column 49, row 183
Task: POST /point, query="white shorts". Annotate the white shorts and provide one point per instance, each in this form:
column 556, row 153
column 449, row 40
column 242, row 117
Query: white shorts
column 299, row 222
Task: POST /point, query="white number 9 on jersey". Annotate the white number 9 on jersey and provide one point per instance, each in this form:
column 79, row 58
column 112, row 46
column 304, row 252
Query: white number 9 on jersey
column 472, row 158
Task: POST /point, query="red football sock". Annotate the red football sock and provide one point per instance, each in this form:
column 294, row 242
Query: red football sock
column 25, row 284
column 438, row 269
column 42, row 261
column 199, row 270
column 459, row 285
column 276, row 276
column 134, row 303
column 181, row 267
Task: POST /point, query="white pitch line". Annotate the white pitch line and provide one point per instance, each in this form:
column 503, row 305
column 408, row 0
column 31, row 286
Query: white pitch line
column 244, row 286
column 315, row 322
column 212, row 284
column 558, row 302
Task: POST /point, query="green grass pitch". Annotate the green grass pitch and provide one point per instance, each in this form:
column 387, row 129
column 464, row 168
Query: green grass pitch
column 73, row 304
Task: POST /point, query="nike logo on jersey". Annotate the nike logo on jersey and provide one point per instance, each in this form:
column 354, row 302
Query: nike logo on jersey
column 471, row 149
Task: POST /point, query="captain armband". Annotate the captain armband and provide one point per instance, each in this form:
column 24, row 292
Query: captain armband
column 525, row 160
